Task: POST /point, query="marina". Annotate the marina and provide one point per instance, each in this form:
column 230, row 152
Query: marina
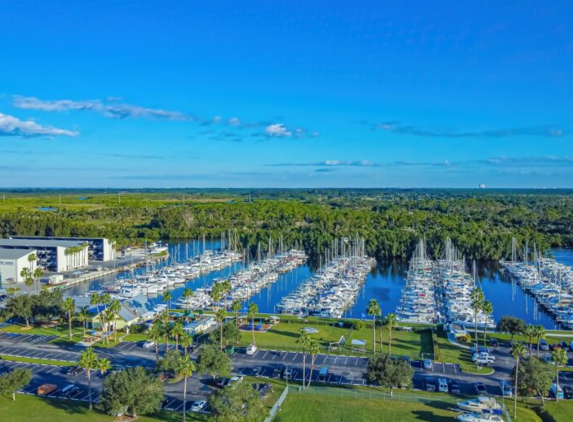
column 385, row 282
column 333, row 289
column 549, row 282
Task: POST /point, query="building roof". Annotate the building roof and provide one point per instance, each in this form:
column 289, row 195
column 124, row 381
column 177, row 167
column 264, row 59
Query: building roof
column 82, row 239
column 38, row 243
column 14, row 253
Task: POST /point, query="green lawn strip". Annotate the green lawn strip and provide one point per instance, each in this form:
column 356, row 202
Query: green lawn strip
column 284, row 335
column 61, row 331
column 40, row 361
column 552, row 337
column 318, row 408
column 556, row 411
column 36, row 409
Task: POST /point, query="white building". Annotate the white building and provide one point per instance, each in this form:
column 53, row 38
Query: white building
column 100, row 249
column 12, row 261
column 53, row 255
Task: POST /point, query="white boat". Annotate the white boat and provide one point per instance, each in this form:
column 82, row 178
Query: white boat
column 479, row 405
column 479, row 417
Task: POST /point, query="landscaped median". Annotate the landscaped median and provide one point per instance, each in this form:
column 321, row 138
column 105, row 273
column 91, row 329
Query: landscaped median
column 36, row 361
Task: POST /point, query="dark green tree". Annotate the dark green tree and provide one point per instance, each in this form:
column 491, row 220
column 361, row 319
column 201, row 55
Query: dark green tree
column 213, row 362
column 242, row 403
column 510, row 324
column 14, row 380
column 535, row 377
column 389, row 373
column 133, row 391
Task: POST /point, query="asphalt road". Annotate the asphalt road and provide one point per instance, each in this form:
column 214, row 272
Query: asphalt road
column 343, row 370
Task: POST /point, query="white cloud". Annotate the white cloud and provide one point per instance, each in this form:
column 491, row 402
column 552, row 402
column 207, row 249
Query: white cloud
column 12, row 126
column 109, row 110
column 233, row 121
column 277, row 130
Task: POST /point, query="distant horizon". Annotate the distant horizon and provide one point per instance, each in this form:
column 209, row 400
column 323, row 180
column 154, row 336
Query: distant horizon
column 265, row 94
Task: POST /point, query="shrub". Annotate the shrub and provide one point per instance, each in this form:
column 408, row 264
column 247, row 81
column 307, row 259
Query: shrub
column 358, row 325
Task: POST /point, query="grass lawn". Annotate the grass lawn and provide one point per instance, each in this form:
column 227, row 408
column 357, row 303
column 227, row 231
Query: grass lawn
column 557, row 411
column 284, row 335
column 40, row 361
column 61, row 331
column 300, row 408
column 318, row 408
column 36, row 409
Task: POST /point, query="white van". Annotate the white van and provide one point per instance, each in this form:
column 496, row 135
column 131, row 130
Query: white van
column 251, row 349
column 442, row 385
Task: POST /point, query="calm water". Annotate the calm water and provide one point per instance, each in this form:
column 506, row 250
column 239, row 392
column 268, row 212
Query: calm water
column 384, row 283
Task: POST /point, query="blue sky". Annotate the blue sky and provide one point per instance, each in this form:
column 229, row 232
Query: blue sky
column 286, row 94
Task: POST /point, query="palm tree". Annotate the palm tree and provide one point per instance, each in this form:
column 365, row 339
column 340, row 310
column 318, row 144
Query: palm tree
column 69, row 306
column 529, row 333
column 487, row 309
column 155, row 334
column 177, row 331
column 114, row 309
column 217, row 294
column 517, row 351
column 304, row 341
column 103, row 365
column 313, row 350
column 185, row 369
column 373, row 309
column 220, row 317
column 186, row 341
column 26, row 274
column 36, row 275
column 187, row 293
column 95, row 300
column 391, row 322
column 539, row 334
column 477, row 298
column 559, row 356
column 253, row 310
column 84, row 316
column 167, row 297
column 88, row 361
column 236, row 307
column 31, row 260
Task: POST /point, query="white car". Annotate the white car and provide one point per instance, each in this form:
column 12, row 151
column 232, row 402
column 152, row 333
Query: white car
column 235, row 380
column 198, row 406
column 483, row 358
column 148, row 344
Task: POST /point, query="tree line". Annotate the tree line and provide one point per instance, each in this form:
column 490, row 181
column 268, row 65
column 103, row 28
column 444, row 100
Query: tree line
column 481, row 226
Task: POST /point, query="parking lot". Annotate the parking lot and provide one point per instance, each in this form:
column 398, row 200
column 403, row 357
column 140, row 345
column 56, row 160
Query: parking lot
column 25, row 338
column 39, row 353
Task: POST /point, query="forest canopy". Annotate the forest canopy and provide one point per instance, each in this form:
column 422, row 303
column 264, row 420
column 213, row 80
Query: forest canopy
column 481, row 223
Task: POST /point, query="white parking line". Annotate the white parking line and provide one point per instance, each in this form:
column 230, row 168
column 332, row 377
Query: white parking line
column 266, row 353
column 284, row 357
column 294, row 357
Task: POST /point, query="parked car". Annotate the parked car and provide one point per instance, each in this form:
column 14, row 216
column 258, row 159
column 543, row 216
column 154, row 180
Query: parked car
column 198, row 406
column 479, row 388
column 277, row 373
column 428, row 364
column 288, row 374
column 506, row 390
column 483, row 357
column 568, row 392
column 455, row 387
column 234, row 381
column 256, row 371
column 70, row 390
column 543, row 345
column 148, row 344
column 74, row 370
column 263, row 389
column 480, row 349
column 548, row 359
column 222, row 382
column 556, row 391
column 493, row 342
column 430, row 384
